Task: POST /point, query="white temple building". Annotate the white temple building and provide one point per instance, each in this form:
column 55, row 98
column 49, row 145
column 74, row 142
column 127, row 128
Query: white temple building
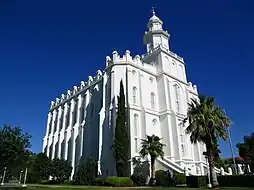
column 81, row 122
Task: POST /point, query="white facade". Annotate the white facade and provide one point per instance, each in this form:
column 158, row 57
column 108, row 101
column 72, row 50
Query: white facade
column 81, row 123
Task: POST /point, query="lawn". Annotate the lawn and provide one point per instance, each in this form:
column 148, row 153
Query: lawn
column 42, row 187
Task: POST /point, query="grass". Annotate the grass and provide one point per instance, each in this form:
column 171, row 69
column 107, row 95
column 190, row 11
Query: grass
column 43, row 187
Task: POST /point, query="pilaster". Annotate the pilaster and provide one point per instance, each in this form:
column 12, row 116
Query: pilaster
column 48, row 123
column 60, row 114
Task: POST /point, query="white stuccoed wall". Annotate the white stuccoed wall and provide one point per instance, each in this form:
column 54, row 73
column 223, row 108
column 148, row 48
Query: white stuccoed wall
column 157, row 72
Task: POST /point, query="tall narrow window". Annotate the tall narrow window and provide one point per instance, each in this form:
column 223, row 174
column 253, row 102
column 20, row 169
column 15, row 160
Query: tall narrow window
column 136, row 144
column 152, row 99
column 177, row 97
column 81, row 110
column 67, row 120
column 135, row 125
column 55, row 122
column 134, row 95
column 74, row 113
column 61, row 121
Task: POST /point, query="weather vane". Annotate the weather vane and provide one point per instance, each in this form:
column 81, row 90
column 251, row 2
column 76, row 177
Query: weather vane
column 153, row 10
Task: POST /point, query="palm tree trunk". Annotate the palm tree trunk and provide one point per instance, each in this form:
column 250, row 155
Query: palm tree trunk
column 213, row 175
column 153, row 167
column 152, row 179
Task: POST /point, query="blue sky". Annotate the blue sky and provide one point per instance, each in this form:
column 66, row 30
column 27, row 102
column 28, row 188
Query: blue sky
column 46, row 47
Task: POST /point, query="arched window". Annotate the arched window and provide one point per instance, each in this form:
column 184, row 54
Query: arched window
column 177, row 98
column 134, row 95
column 152, row 99
column 135, row 123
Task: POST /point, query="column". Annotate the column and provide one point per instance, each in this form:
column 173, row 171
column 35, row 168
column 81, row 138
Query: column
column 60, row 113
column 75, row 133
column 66, row 111
column 48, row 123
column 61, row 134
column 69, row 128
column 53, row 132
column 45, row 139
column 78, row 109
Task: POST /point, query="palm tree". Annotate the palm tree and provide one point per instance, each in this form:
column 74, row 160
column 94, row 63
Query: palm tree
column 153, row 147
column 207, row 123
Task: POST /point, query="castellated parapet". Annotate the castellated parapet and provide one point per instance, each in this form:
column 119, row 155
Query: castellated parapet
column 192, row 88
column 77, row 89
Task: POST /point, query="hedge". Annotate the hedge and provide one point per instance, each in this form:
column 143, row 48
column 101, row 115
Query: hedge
column 196, row 181
column 236, row 180
column 114, row 181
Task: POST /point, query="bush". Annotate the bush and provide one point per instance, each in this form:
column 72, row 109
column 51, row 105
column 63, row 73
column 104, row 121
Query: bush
column 180, row 179
column 114, row 181
column 100, row 181
column 236, row 180
column 138, row 179
column 163, row 178
column 196, row 181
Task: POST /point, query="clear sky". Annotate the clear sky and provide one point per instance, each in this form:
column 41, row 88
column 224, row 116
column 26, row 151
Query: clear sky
column 46, row 47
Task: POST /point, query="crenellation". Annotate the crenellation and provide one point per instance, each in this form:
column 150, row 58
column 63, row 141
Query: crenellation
column 98, row 74
column 108, row 61
column 75, row 89
column 68, row 94
column 57, row 101
column 90, row 80
column 115, row 57
column 192, row 88
column 127, row 56
column 137, row 59
column 82, row 85
column 62, row 97
column 52, row 104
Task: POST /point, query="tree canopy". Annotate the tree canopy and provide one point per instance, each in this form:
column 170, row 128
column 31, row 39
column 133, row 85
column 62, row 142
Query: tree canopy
column 207, row 123
column 121, row 143
column 153, row 147
column 246, row 149
column 14, row 148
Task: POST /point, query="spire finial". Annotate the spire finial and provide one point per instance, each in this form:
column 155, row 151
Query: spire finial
column 153, row 10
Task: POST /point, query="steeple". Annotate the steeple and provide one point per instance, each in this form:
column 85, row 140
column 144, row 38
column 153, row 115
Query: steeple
column 155, row 36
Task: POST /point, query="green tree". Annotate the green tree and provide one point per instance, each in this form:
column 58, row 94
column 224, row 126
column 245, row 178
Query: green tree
column 40, row 167
column 86, row 172
column 14, row 149
column 60, row 170
column 246, row 149
column 207, row 123
column 121, row 142
column 153, row 147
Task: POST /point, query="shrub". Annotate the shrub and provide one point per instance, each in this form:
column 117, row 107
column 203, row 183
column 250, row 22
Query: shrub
column 114, row 181
column 100, row 181
column 138, row 179
column 236, row 180
column 163, row 178
column 196, row 181
column 180, row 179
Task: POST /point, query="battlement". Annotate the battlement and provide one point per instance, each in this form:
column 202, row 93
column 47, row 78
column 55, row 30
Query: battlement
column 126, row 57
column 77, row 89
column 192, row 88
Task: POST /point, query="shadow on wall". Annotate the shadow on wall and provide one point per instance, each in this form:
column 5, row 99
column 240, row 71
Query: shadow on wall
column 107, row 158
column 142, row 167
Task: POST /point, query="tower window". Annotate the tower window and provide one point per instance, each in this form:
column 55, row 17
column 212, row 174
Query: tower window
column 177, row 97
column 134, row 95
column 135, row 125
column 152, row 99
